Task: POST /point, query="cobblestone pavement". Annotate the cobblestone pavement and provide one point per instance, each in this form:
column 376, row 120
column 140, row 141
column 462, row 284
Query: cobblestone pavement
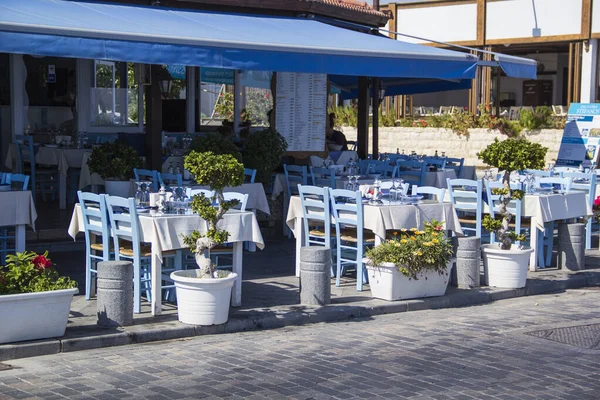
column 474, row 352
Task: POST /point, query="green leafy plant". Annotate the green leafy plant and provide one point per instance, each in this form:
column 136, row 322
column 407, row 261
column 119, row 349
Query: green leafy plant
column 414, row 251
column 29, row 272
column 216, row 144
column 224, row 106
column 216, row 171
column 460, row 123
column 510, row 155
column 263, row 152
column 114, row 161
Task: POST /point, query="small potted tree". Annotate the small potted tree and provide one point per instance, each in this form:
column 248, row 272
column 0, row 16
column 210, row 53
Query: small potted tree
column 114, row 162
column 203, row 294
column 34, row 300
column 505, row 263
column 263, row 152
column 411, row 265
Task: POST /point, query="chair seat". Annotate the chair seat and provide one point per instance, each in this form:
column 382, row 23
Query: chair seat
column 100, row 247
column 321, row 232
column 350, row 235
column 145, row 251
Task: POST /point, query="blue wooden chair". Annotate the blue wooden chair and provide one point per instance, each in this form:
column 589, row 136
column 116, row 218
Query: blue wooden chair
column 146, row 175
column 384, row 169
column 364, row 166
column 438, row 162
column 17, row 181
column 351, row 237
column 43, row 180
column 412, row 172
column 316, row 216
column 514, row 208
column 250, row 175
column 96, row 225
column 467, row 197
column 8, row 233
column 323, row 177
column 294, row 175
column 456, row 164
column 170, row 180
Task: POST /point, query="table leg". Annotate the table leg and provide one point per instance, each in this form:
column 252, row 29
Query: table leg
column 62, row 191
column 236, row 293
column 286, row 203
column 299, row 232
column 20, row 238
column 156, row 272
column 533, row 241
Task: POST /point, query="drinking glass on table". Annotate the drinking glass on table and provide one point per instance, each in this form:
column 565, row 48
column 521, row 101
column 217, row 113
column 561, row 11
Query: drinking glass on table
column 139, row 195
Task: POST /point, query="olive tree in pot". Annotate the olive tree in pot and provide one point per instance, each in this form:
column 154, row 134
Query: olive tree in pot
column 203, row 294
column 505, row 263
column 114, row 162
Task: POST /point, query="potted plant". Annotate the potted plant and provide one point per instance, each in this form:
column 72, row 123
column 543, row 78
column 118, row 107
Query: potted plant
column 411, row 265
column 34, row 300
column 506, row 264
column 263, row 152
column 114, row 162
column 203, row 294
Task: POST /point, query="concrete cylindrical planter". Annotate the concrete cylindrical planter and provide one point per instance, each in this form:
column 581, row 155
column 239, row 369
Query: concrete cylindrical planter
column 506, row 268
column 202, row 301
column 571, row 246
column 468, row 261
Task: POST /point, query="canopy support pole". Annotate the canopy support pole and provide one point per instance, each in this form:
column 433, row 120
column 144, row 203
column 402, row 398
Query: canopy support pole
column 375, row 108
column 154, row 121
column 362, row 131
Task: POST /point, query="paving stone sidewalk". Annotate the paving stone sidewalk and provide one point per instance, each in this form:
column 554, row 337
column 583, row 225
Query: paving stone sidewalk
column 479, row 352
column 270, row 299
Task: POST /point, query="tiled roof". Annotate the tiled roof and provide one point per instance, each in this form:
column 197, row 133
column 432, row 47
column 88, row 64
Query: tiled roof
column 362, row 6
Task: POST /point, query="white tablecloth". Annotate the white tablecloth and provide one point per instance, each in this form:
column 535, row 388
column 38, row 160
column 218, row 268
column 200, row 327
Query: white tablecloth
column 166, row 232
column 257, row 199
column 86, row 178
column 61, row 157
column 17, row 209
column 438, row 178
column 546, row 208
column 382, row 218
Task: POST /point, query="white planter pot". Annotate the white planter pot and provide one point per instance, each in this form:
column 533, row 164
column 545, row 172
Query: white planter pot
column 30, row 316
column 117, row 188
column 387, row 283
column 506, row 268
column 202, row 301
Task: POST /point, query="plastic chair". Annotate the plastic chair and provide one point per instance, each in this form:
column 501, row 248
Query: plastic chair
column 583, row 182
column 124, row 222
column 250, row 175
column 412, row 172
column 430, row 191
column 95, row 223
column 17, row 181
column 467, row 202
column 351, row 237
column 169, row 180
column 43, row 180
column 145, row 175
column 323, row 177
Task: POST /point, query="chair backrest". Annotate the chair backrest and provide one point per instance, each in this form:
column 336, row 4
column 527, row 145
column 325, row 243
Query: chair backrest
column 467, row 196
column 322, row 176
column 207, row 192
column 17, row 181
column 95, row 219
column 565, row 183
column 439, row 162
column 364, row 166
column 249, row 175
column 124, row 222
column 536, row 172
column 428, row 110
column 315, row 207
column 430, row 191
column 412, row 172
column 295, row 175
column 445, row 110
column 456, row 164
column 583, row 182
column 241, row 197
column 147, row 175
column 417, row 111
column 2, row 177
column 493, row 200
column 25, row 152
column 514, row 113
column 347, row 209
column 170, row 180
column 386, row 170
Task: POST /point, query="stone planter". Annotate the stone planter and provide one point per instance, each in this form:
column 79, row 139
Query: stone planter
column 117, row 188
column 30, row 316
column 202, row 301
column 387, row 283
column 506, row 268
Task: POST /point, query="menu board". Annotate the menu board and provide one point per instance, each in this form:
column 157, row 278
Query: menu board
column 581, row 138
column 301, row 105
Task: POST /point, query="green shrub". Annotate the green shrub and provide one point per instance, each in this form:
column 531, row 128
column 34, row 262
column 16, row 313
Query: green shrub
column 217, row 144
column 114, row 161
column 263, row 152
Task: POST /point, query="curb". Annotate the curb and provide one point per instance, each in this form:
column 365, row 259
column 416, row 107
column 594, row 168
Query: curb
column 254, row 320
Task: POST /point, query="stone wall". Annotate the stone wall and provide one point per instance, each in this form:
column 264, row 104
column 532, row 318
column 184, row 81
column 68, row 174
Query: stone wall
column 428, row 140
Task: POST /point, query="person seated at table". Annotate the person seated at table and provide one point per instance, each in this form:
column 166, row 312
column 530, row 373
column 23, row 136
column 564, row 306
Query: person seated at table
column 335, row 137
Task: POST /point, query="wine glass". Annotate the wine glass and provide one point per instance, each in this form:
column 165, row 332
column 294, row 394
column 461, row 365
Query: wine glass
column 139, row 195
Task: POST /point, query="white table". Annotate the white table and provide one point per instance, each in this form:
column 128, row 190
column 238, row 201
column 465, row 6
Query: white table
column 166, row 232
column 18, row 210
column 63, row 158
column 553, row 207
column 257, row 199
column 382, row 218
column 438, row 178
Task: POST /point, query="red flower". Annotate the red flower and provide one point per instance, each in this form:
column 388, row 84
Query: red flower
column 439, row 228
column 41, row 263
column 267, row 95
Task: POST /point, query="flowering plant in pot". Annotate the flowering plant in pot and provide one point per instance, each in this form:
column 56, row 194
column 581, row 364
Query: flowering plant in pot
column 203, row 294
column 114, row 162
column 506, row 265
column 413, row 263
column 34, row 299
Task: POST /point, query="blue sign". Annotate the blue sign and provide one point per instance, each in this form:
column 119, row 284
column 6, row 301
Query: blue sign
column 176, row 71
column 580, row 143
column 222, row 76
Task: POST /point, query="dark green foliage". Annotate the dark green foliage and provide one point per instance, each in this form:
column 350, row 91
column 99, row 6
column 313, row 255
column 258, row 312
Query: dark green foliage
column 217, row 144
column 264, row 150
column 114, row 161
